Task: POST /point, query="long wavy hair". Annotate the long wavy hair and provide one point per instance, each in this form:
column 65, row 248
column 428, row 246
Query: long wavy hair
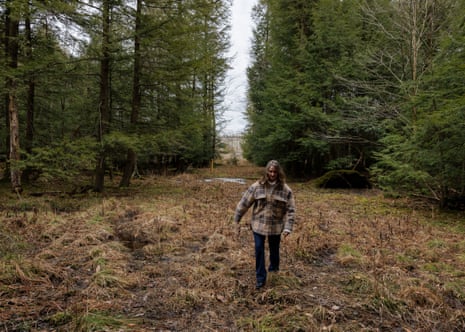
column 279, row 169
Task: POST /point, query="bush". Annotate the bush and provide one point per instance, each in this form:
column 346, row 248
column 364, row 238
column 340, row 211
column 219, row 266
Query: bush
column 345, row 179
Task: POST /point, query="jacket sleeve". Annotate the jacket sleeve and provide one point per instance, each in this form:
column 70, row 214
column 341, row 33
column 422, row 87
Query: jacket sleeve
column 290, row 214
column 248, row 198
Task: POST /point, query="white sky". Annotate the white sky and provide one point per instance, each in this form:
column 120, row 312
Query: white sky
column 236, row 80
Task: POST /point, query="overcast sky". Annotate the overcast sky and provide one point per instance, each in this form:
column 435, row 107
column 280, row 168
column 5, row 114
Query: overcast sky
column 236, row 80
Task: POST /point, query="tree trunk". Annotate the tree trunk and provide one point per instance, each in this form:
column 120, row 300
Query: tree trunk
column 136, row 99
column 104, row 109
column 6, row 97
column 30, row 91
column 15, row 172
column 12, row 47
column 29, row 98
column 128, row 168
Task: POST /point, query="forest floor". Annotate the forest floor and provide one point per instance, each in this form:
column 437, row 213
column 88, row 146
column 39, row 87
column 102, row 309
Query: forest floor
column 162, row 255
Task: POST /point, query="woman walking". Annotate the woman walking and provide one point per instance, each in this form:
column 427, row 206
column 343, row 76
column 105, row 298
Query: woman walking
column 273, row 214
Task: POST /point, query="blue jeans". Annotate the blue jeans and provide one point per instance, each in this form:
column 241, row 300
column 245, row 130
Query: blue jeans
column 273, row 244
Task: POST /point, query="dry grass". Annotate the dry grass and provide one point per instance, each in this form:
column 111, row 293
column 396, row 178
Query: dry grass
column 162, row 256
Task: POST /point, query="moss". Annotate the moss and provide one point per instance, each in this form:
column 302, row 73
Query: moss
column 344, row 179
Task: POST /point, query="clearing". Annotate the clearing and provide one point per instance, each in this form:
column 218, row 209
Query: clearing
column 162, row 256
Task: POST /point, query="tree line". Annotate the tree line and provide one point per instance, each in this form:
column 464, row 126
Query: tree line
column 369, row 85
column 90, row 85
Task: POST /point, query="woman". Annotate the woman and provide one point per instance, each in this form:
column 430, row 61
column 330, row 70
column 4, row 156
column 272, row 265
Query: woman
column 273, row 214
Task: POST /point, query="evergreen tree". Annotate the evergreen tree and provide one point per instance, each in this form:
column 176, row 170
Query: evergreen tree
column 276, row 80
column 426, row 155
column 303, row 57
column 130, row 163
column 410, row 35
column 66, row 95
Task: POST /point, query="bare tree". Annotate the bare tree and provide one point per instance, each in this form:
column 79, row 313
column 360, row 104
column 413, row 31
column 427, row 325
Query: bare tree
column 409, row 30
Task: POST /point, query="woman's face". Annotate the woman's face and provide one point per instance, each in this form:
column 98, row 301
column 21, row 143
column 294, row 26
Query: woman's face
column 272, row 173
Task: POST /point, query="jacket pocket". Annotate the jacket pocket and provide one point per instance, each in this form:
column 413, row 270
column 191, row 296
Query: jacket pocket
column 260, row 202
column 279, row 207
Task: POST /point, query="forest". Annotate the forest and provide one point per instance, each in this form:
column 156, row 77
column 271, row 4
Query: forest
column 368, row 85
column 94, row 88
column 115, row 215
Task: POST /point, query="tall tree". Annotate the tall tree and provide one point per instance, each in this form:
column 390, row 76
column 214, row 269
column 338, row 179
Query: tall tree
column 170, row 119
column 296, row 111
column 30, row 83
column 104, row 98
column 131, row 157
column 212, row 45
column 411, row 35
column 12, row 17
column 280, row 71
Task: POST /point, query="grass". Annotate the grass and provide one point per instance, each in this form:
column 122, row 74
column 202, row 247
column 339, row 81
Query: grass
column 162, row 255
column 102, row 321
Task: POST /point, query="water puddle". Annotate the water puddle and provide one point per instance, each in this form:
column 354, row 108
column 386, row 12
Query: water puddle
column 231, row 180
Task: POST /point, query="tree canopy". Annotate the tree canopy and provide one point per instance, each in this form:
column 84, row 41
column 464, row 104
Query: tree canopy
column 369, row 85
column 135, row 83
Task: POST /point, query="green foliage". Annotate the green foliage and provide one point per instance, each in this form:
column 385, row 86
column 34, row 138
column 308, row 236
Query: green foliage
column 426, row 157
column 63, row 161
column 60, row 318
column 116, row 144
column 98, row 321
column 342, row 178
column 333, row 84
column 303, row 110
column 361, row 85
column 169, row 109
column 396, row 165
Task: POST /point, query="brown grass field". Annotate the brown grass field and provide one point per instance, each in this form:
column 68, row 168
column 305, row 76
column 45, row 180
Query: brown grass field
column 162, row 255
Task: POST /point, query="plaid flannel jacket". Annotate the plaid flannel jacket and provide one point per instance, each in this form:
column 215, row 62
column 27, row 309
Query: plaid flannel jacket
column 273, row 208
